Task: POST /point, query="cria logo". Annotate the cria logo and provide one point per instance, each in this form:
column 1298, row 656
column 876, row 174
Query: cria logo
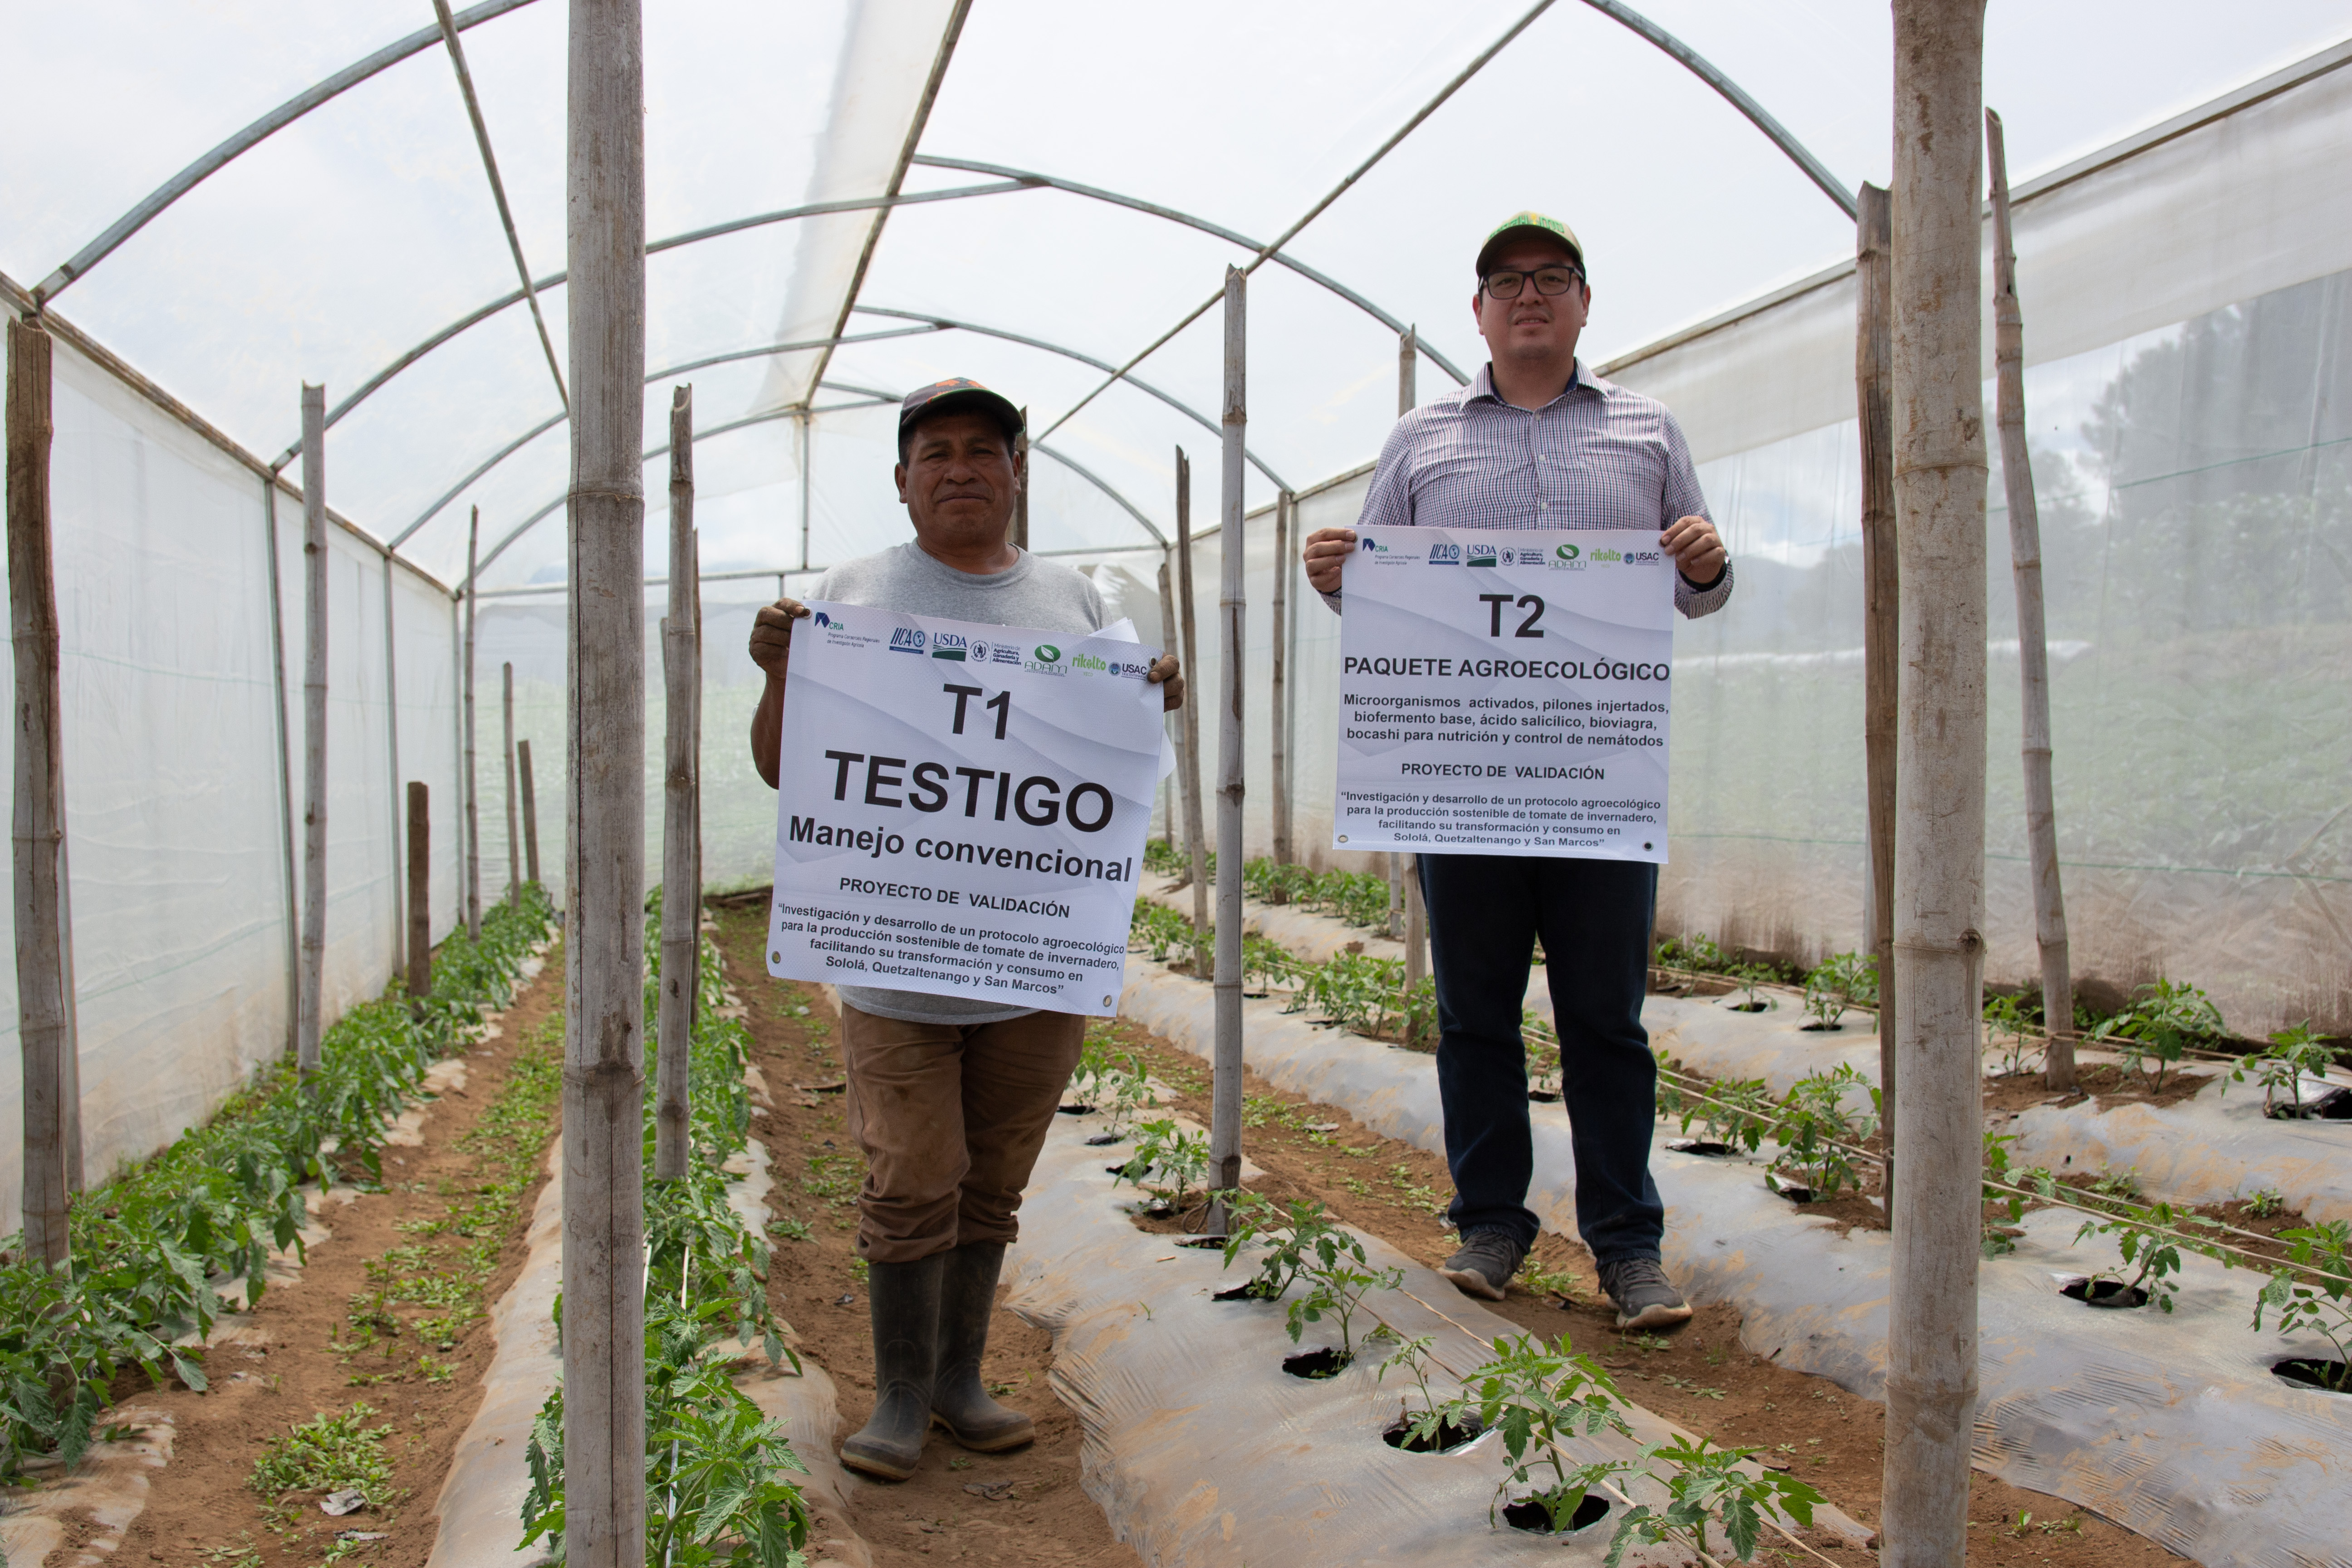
column 1607, row 555
column 949, row 645
column 1089, row 663
column 1371, row 544
column 1481, row 556
column 825, row 620
column 1565, row 552
column 1444, row 554
column 907, row 639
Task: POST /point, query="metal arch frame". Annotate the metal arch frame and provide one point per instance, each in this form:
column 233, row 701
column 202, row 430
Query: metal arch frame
column 1203, row 420
column 325, row 90
column 871, row 397
column 928, row 324
column 1173, row 215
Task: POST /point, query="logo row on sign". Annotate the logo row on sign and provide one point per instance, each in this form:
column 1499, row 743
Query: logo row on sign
column 1561, row 557
column 1045, row 658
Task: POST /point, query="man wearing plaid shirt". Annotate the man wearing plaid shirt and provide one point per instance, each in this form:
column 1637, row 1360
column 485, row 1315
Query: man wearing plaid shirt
column 1537, row 440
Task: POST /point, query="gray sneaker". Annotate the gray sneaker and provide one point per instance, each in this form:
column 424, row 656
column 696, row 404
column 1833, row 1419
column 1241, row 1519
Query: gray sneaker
column 1645, row 1298
column 1484, row 1264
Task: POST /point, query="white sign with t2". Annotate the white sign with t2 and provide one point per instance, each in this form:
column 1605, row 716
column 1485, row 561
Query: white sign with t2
column 961, row 808
column 1506, row 693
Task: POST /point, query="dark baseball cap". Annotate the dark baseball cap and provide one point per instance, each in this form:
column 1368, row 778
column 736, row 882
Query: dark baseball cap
column 956, row 394
column 1529, row 225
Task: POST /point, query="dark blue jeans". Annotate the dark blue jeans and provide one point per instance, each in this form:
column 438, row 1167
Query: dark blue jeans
column 1485, row 913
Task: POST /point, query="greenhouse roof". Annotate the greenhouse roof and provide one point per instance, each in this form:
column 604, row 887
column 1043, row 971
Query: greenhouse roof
column 849, row 200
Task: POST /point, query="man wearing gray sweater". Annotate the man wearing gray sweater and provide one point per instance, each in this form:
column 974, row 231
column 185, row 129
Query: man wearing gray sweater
column 948, row 1097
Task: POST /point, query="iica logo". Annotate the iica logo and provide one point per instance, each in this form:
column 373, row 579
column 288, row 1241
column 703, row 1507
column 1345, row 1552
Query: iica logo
column 1565, row 552
column 907, row 639
column 949, row 645
column 1443, row 554
column 1481, row 556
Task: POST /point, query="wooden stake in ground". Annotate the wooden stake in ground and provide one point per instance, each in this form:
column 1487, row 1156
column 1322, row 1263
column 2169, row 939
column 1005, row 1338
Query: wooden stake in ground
column 1189, row 767
column 308, row 1020
column 473, row 828
column 420, row 890
column 1176, row 722
column 2033, row 637
column 514, row 838
column 1020, row 484
column 39, row 825
column 604, row 787
column 1881, row 630
column 1283, row 508
column 680, row 900
column 1233, row 602
column 1940, row 494
column 529, row 812
column 1407, row 868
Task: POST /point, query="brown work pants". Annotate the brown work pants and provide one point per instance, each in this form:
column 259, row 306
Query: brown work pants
column 950, row 1117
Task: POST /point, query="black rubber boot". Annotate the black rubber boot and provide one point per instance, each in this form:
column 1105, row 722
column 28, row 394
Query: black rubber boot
column 905, row 1299
column 961, row 1401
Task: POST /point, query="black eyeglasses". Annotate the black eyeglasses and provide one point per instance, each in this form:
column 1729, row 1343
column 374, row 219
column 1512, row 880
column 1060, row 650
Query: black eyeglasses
column 1548, row 280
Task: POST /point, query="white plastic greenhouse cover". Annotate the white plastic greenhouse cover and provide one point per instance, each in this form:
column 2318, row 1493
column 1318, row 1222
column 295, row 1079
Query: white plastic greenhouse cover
column 2185, row 327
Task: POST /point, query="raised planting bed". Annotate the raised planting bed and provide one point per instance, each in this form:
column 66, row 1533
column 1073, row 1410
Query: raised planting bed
column 1214, row 1437
column 2173, row 1425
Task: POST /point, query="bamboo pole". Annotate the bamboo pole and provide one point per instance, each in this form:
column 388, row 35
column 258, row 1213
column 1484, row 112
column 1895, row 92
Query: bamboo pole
column 674, row 1010
column 1281, row 748
column 1940, row 491
column 1020, row 484
column 1195, row 841
column 39, row 827
column 1233, row 602
column 1406, row 869
column 603, row 1081
column 2033, row 635
column 507, row 752
column 1881, row 630
column 1176, row 722
column 473, row 828
column 420, row 890
column 530, row 814
column 314, row 728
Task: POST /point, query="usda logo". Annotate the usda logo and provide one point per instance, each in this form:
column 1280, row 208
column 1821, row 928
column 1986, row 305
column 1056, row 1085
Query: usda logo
column 949, row 645
column 1482, row 556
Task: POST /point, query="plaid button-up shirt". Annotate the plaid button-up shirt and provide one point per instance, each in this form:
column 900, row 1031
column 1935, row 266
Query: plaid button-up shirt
column 1596, row 455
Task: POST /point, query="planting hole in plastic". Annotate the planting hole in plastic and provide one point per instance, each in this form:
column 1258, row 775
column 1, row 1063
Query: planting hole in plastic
column 1102, row 1139
column 2335, row 1105
column 1075, row 1109
column 1529, row 1514
column 1317, row 1363
column 1204, row 1242
column 2315, row 1373
column 1398, row 1434
column 1242, row 1292
column 2105, row 1293
column 1707, row 1146
column 1795, row 1192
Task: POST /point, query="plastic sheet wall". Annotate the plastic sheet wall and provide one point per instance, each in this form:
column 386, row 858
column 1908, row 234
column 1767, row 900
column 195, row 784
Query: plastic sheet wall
column 176, row 795
column 2189, row 399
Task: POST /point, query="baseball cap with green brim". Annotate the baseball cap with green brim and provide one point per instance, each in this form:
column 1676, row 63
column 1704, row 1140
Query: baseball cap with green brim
column 956, row 394
column 1529, row 225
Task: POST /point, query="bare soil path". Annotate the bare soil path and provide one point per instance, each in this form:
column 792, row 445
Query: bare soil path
column 1017, row 1510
